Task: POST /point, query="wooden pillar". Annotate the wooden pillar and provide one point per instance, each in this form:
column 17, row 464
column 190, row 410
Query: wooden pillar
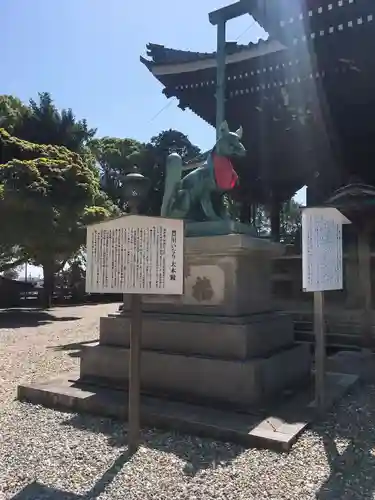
column 310, row 196
column 246, row 212
column 364, row 265
column 275, row 220
column 351, row 269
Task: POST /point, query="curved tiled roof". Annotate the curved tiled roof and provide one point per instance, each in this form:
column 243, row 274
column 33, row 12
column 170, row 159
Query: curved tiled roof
column 159, row 54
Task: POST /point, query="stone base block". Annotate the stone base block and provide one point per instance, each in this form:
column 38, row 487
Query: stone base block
column 218, row 228
column 241, row 338
column 242, row 383
column 224, row 275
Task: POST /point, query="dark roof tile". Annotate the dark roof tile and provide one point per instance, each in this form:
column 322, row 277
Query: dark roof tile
column 159, row 54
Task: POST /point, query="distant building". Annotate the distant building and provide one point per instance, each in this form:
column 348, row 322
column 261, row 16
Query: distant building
column 11, row 291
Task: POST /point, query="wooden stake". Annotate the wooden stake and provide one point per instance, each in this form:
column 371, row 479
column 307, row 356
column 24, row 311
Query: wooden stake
column 320, row 351
column 135, row 372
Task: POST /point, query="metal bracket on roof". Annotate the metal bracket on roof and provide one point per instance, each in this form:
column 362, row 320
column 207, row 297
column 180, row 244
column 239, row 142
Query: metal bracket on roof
column 231, row 11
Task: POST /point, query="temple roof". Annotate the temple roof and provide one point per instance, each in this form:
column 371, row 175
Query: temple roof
column 354, row 196
column 304, row 97
column 160, row 56
column 164, row 55
column 355, row 201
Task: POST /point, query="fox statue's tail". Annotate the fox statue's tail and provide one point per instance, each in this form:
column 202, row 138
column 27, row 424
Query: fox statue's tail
column 173, row 175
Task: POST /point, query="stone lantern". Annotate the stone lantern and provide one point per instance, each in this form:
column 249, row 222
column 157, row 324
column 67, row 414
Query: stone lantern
column 136, row 187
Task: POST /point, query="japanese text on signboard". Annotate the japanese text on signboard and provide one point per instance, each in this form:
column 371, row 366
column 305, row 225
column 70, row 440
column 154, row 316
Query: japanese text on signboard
column 322, row 260
column 135, row 254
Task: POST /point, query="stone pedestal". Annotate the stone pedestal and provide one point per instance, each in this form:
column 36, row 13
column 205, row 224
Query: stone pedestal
column 221, row 341
column 224, row 275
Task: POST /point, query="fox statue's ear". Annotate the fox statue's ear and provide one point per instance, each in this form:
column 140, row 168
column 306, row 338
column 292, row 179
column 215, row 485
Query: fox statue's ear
column 239, row 133
column 224, row 129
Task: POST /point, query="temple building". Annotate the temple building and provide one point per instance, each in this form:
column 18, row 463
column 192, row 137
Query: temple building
column 304, row 97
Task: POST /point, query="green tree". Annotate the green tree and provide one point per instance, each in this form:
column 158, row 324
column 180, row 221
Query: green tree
column 290, row 221
column 11, row 274
column 116, row 157
column 173, row 140
column 47, row 196
column 10, row 255
column 159, row 147
column 42, row 123
column 11, row 111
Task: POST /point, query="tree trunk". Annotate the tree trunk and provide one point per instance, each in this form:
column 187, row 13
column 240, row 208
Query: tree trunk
column 48, row 285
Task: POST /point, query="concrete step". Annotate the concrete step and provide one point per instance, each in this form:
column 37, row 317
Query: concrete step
column 332, row 339
column 334, row 327
column 242, row 383
column 255, row 336
column 278, row 428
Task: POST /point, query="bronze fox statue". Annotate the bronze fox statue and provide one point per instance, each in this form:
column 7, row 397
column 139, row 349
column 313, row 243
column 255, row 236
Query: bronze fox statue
column 190, row 197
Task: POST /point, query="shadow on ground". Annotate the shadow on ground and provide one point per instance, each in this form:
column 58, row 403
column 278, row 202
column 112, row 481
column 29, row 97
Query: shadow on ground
column 352, row 469
column 18, row 318
column 75, row 348
column 347, row 433
column 36, row 490
column 198, row 453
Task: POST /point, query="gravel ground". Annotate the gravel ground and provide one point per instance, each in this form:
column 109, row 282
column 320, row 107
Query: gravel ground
column 52, row 455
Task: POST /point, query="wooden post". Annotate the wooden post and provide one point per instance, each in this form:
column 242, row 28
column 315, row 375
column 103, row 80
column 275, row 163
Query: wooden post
column 135, row 372
column 364, row 263
column 220, row 76
column 320, row 351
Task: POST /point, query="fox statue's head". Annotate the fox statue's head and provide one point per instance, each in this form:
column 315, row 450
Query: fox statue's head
column 229, row 143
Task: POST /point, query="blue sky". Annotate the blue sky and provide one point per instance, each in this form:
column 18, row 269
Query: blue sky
column 86, row 54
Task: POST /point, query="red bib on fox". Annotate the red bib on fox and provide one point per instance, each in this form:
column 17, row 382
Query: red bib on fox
column 225, row 175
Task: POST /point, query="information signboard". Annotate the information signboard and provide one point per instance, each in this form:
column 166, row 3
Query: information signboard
column 135, row 254
column 322, row 269
column 322, row 262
